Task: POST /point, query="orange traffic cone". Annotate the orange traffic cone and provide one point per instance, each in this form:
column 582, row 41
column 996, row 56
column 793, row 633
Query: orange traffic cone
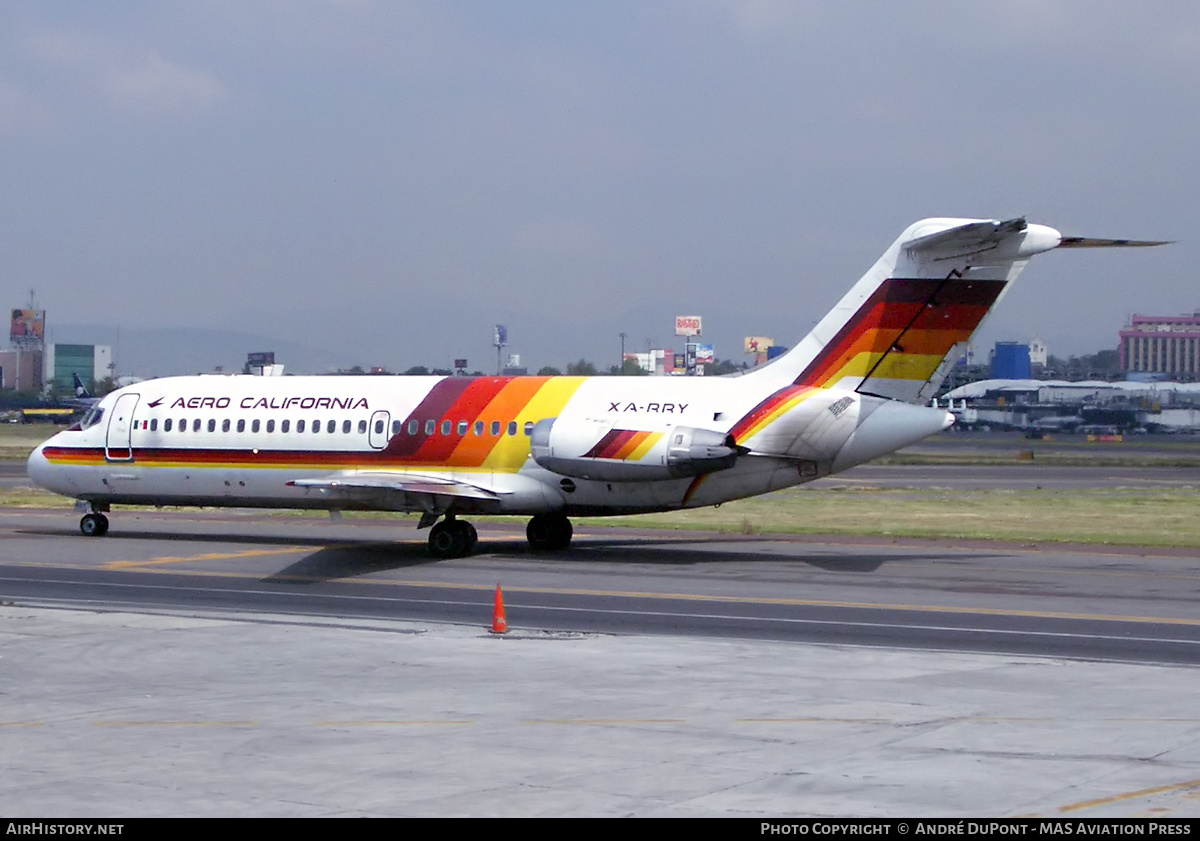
column 499, row 622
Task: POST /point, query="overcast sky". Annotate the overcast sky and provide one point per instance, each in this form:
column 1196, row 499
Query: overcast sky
column 390, row 179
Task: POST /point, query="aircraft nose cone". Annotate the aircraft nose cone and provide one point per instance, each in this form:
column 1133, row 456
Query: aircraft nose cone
column 44, row 474
column 36, row 466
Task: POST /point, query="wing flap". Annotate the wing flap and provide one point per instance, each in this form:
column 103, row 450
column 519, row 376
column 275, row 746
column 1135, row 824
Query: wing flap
column 406, row 482
column 403, row 491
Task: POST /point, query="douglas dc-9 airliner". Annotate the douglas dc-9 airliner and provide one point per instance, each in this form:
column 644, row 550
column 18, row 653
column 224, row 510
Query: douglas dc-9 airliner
column 554, row 447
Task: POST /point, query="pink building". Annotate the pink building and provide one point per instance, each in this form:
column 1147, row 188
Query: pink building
column 1166, row 344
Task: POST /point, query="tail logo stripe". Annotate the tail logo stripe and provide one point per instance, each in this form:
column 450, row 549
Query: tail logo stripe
column 921, row 319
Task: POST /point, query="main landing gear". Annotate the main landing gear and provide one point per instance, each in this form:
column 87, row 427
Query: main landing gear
column 549, row 532
column 453, row 538
column 93, row 524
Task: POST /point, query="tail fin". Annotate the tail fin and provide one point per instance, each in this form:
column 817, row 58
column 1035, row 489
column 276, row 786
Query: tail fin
column 80, row 389
column 900, row 329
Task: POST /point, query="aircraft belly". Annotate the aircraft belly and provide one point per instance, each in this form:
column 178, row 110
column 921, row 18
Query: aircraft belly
column 218, row 487
column 751, row 476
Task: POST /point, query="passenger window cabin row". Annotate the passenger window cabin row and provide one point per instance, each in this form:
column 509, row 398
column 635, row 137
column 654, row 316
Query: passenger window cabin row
column 414, row 427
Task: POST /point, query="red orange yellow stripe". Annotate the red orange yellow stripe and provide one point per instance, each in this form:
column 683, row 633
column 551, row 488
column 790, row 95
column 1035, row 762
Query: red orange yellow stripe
column 904, row 330
column 623, row 444
column 460, row 401
column 770, row 410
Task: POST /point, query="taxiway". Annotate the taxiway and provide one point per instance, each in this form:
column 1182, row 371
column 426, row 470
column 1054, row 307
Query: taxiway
column 236, row 663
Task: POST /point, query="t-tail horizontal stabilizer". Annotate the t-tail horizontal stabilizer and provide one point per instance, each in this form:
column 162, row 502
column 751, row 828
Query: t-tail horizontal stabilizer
column 900, row 329
column 1089, row 242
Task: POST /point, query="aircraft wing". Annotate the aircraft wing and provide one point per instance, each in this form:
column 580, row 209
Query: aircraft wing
column 388, row 491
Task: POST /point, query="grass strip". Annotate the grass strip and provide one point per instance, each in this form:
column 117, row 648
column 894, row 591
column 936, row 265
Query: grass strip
column 1116, row 516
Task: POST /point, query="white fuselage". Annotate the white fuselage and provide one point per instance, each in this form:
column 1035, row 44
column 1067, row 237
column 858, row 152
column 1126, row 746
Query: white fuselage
column 463, row 444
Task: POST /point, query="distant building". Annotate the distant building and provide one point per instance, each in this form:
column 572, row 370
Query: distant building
column 91, row 362
column 1039, row 353
column 54, row 366
column 1010, row 361
column 1162, row 344
column 1046, row 405
column 21, row 370
column 656, row 361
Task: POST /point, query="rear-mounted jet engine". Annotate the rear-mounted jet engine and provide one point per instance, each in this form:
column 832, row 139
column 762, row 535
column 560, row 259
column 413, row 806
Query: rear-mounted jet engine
column 681, row 452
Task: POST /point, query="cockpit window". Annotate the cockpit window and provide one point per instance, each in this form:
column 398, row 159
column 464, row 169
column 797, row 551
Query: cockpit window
column 92, row 417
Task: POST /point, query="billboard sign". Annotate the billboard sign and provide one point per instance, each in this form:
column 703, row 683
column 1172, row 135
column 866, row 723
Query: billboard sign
column 687, row 325
column 500, row 336
column 704, row 354
column 758, row 344
column 27, row 326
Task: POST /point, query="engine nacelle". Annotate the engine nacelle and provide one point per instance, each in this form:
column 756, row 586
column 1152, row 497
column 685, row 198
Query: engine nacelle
column 592, row 451
column 692, row 452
